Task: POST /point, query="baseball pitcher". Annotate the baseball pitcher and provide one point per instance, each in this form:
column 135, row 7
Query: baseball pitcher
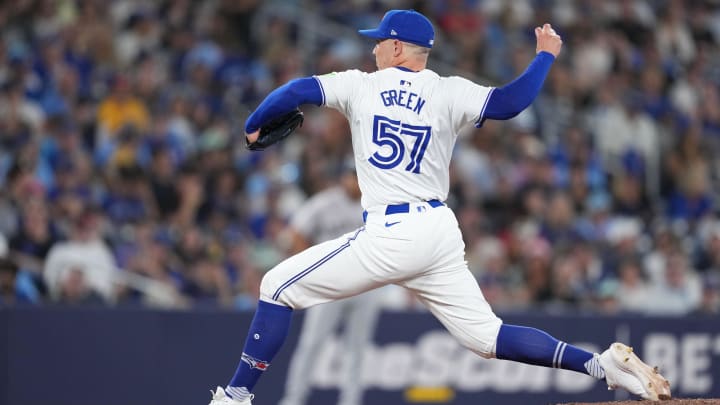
column 404, row 120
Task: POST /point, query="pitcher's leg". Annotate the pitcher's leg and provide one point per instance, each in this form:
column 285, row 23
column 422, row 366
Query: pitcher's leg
column 618, row 365
column 326, row 272
column 322, row 273
column 266, row 336
column 534, row 346
column 454, row 297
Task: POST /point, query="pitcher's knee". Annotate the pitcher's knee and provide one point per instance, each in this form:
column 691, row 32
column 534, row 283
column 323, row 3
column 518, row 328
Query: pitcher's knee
column 482, row 338
column 271, row 288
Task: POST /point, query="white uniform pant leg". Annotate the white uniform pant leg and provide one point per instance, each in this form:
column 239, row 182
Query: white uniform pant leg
column 444, row 283
column 326, row 272
column 319, row 323
column 455, row 299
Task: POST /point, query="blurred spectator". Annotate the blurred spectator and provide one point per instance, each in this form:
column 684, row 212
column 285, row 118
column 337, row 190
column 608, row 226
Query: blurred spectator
column 623, row 243
column 150, row 273
column 633, row 294
column 679, row 293
column 710, row 303
column 81, row 265
column 623, row 128
column 189, row 187
column 36, row 235
column 674, row 38
column 141, row 35
column 568, row 282
column 594, row 226
column 121, row 108
column 74, row 288
column 666, row 244
column 18, row 112
column 708, row 255
column 689, row 171
column 208, row 283
column 10, row 293
column 537, row 264
column 129, row 198
column 162, row 183
column 558, row 227
column 629, row 198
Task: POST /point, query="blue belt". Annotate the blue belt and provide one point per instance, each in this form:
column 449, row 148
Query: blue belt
column 404, row 208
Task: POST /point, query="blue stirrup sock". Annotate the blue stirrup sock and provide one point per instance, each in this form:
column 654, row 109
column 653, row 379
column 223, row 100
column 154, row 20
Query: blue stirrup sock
column 533, row 346
column 267, row 333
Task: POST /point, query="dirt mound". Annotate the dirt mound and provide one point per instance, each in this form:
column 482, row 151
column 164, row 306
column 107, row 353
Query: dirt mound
column 714, row 401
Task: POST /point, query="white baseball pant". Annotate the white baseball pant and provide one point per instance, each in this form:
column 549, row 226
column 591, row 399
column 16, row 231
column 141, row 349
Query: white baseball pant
column 416, row 245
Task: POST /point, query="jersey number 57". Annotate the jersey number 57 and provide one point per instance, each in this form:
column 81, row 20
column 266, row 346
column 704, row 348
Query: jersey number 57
column 392, row 133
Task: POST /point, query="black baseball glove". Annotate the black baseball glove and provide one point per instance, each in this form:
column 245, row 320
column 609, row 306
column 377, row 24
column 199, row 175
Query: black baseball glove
column 276, row 130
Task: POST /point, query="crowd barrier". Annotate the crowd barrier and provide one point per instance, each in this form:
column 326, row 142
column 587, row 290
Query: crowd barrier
column 79, row 356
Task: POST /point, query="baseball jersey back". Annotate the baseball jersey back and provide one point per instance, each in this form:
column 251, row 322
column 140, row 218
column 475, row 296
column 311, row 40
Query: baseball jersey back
column 404, row 126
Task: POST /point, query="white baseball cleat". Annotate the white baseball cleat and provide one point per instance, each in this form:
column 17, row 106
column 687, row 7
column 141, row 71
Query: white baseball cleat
column 625, row 370
column 221, row 398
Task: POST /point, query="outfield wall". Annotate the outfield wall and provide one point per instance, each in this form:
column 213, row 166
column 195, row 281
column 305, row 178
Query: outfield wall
column 140, row 357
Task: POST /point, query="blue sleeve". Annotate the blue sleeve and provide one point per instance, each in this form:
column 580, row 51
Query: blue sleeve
column 508, row 101
column 285, row 99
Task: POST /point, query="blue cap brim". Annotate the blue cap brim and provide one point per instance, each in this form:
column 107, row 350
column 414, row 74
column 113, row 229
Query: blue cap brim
column 374, row 33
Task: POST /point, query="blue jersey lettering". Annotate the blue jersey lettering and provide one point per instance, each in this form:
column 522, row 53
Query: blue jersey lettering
column 419, row 105
column 387, row 101
column 402, row 98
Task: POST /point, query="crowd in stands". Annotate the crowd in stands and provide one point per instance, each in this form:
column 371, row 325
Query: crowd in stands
column 124, row 179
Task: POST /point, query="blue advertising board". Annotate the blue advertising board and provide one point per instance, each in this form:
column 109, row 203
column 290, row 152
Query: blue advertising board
column 141, row 357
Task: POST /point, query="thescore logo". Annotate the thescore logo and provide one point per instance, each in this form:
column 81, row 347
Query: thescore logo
column 438, row 360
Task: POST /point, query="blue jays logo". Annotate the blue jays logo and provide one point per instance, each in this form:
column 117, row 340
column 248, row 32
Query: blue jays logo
column 255, row 363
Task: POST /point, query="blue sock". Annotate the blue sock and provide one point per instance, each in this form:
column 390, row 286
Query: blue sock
column 267, row 333
column 533, row 346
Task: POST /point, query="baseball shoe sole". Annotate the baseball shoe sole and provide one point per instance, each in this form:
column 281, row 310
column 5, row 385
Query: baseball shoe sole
column 625, row 370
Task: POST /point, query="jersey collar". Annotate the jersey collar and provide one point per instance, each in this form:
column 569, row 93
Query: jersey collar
column 403, row 68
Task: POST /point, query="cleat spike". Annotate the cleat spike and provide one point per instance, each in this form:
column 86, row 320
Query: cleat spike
column 623, row 369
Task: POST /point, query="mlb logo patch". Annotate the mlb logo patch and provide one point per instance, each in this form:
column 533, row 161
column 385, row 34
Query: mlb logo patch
column 405, row 83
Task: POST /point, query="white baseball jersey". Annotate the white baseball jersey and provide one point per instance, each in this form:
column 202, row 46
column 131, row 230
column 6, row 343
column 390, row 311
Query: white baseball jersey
column 404, row 127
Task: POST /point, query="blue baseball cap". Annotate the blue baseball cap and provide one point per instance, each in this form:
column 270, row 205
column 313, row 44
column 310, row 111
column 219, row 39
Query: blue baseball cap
column 404, row 25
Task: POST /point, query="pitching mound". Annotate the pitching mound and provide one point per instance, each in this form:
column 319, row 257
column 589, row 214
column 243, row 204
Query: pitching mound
column 669, row 402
